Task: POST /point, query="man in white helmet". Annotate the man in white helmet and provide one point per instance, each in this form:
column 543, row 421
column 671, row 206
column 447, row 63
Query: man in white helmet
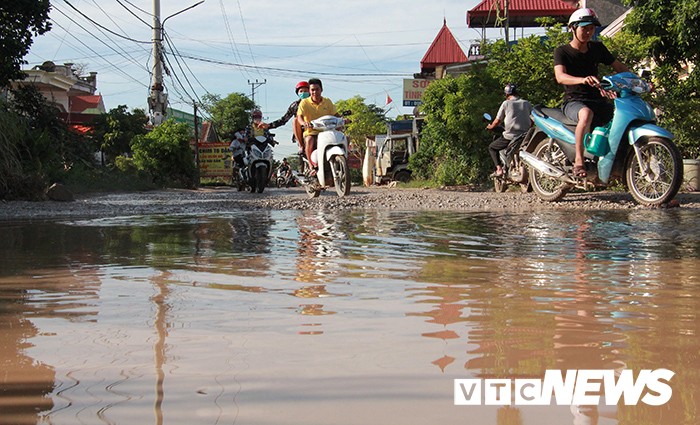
column 576, row 67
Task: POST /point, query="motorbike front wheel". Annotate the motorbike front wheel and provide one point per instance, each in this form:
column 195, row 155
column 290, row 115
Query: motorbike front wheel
column 661, row 173
column 341, row 179
column 261, row 178
column 545, row 187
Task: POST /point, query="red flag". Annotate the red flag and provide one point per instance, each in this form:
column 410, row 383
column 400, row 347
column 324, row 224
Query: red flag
column 388, row 99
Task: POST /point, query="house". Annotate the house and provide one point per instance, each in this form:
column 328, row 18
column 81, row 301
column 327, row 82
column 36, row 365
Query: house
column 73, row 95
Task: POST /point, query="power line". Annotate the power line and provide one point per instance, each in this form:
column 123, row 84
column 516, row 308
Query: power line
column 103, row 27
column 293, row 71
column 135, row 15
column 116, row 68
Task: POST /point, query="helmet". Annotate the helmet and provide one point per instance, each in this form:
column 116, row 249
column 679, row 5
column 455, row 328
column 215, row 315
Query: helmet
column 301, row 84
column 583, row 17
column 257, row 114
column 510, row 89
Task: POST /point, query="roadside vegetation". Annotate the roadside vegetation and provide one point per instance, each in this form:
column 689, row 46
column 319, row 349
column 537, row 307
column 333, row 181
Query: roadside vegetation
column 38, row 149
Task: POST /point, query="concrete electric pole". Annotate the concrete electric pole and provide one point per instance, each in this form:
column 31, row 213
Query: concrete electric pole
column 157, row 98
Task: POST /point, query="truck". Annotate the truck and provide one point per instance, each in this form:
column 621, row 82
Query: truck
column 387, row 157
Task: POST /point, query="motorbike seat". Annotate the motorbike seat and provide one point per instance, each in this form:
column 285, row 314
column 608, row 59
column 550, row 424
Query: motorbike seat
column 555, row 113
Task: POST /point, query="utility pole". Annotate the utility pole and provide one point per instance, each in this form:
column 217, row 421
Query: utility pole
column 253, row 85
column 157, row 98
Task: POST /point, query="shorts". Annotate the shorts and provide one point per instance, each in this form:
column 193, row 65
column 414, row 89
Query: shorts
column 602, row 111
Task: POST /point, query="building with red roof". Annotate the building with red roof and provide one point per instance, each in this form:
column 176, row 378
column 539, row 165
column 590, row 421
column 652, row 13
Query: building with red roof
column 444, row 50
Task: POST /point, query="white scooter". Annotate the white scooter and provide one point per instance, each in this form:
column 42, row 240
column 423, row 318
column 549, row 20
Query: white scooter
column 259, row 163
column 331, row 155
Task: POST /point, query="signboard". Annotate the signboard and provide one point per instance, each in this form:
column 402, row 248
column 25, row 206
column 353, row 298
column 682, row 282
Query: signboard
column 413, row 90
column 214, row 160
column 475, row 52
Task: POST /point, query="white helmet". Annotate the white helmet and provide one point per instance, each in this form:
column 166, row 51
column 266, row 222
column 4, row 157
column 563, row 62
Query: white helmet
column 583, row 17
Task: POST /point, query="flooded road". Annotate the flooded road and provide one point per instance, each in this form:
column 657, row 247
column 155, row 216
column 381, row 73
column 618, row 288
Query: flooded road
column 356, row 317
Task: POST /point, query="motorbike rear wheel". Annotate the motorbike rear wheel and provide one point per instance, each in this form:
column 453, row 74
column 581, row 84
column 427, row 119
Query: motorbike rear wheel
column 664, row 174
column 499, row 185
column 341, row 179
column 545, row 187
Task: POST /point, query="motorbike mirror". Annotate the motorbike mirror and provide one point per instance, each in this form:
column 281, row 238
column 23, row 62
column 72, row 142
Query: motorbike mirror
column 345, row 113
column 487, row 116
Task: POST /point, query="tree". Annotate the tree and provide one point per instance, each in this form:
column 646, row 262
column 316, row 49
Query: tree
column 165, row 154
column 366, row 120
column 114, row 131
column 530, row 65
column 19, row 20
column 672, row 28
column 454, row 145
column 229, row 114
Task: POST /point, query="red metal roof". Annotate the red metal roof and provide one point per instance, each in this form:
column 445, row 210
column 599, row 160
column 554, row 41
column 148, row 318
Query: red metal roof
column 81, row 103
column 522, row 13
column 443, row 51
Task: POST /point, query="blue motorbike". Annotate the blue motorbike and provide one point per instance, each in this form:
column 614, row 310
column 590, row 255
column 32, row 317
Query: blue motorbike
column 631, row 147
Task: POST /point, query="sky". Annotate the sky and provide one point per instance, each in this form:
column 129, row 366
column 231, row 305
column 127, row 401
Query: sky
column 356, row 47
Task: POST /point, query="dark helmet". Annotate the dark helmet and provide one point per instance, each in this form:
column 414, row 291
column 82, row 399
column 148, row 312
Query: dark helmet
column 301, row 84
column 583, row 17
column 257, row 113
column 510, row 89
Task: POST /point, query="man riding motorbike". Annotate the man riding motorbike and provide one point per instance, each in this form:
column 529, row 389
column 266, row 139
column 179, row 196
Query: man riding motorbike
column 514, row 114
column 310, row 109
column 576, row 67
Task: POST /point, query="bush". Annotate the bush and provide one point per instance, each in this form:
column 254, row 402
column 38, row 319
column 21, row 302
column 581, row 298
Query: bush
column 165, row 154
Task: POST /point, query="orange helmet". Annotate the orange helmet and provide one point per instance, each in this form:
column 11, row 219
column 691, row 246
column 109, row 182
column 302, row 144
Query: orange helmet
column 301, row 84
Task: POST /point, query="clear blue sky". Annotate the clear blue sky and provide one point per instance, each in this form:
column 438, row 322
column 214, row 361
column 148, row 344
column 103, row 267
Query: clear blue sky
column 357, row 47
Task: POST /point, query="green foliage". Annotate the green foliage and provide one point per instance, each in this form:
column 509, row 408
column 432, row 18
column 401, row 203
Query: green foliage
column 454, row 143
column 114, row 131
column 37, row 147
column 530, row 65
column 229, row 114
column 20, row 20
column 366, row 120
column 165, row 154
column 671, row 29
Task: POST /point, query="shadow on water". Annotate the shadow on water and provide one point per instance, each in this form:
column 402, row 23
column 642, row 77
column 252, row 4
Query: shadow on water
column 270, row 316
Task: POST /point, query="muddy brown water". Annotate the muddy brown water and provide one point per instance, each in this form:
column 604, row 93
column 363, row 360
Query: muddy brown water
column 356, row 317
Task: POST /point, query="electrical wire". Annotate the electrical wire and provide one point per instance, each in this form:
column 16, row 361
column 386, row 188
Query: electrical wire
column 103, row 27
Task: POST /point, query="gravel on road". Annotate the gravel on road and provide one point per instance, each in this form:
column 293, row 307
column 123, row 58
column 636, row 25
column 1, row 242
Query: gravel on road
column 224, row 199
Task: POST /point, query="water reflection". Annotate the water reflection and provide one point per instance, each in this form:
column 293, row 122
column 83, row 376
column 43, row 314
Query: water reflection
column 277, row 317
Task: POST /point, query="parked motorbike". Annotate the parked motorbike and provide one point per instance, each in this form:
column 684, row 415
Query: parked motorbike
column 331, row 155
column 631, row 147
column 258, row 161
column 514, row 170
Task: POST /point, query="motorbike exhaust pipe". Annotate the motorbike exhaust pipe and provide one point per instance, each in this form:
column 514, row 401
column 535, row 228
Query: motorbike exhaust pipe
column 543, row 167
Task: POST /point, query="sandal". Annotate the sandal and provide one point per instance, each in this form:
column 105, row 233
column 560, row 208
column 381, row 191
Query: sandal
column 579, row 171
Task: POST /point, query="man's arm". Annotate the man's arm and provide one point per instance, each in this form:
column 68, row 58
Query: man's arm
column 570, row 80
column 619, row 66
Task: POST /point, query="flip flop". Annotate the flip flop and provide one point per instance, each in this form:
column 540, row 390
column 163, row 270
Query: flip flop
column 579, row 171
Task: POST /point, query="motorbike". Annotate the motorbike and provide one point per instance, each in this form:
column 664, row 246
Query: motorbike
column 331, row 155
column 285, row 180
column 514, row 170
column 258, row 163
column 631, row 147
